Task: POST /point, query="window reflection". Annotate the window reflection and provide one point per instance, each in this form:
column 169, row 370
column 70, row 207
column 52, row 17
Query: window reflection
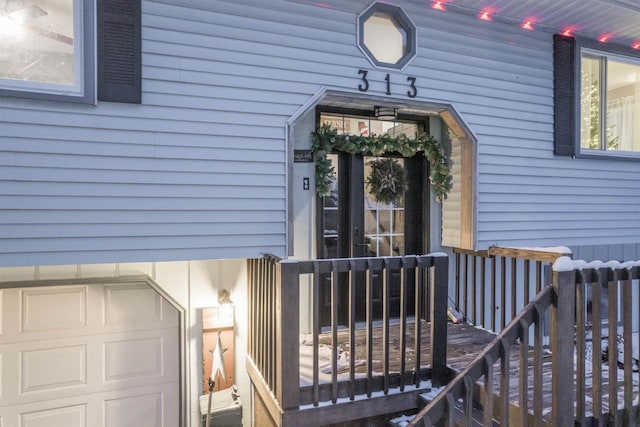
column 609, row 111
column 37, row 42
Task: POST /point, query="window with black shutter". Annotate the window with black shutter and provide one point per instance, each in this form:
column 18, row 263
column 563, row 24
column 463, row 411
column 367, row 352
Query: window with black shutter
column 596, row 99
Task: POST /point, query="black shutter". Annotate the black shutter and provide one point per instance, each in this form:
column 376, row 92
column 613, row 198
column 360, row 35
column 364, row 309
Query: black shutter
column 119, row 56
column 564, row 95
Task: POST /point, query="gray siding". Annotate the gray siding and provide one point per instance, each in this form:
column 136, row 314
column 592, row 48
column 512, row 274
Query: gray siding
column 198, row 170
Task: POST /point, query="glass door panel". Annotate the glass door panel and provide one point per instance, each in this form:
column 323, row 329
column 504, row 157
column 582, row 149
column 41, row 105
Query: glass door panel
column 351, row 223
column 330, row 218
column 384, row 223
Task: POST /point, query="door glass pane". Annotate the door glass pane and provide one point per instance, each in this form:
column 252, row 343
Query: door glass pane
column 383, row 127
column 397, row 244
column 384, row 223
column 398, row 220
column 330, row 215
column 334, row 122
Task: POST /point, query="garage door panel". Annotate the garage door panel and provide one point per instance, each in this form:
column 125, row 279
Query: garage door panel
column 72, row 416
column 153, row 406
column 53, row 368
column 41, row 312
column 47, row 369
column 141, row 357
column 136, row 307
column 138, row 401
column 98, row 353
column 131, row 305
column 137, row 411
column 47, row 309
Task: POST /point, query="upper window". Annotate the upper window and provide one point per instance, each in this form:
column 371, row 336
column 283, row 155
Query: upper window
column 609, row 103
column 42, row 48
column 386, row 36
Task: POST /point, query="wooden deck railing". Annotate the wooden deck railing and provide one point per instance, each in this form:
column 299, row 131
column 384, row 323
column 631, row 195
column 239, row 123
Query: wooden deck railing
column 584, row 300
column 274, row 329
column 493, row 285
column 498, row 353
column 607, row 319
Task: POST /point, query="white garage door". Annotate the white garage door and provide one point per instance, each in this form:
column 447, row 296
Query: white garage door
column 88, row 356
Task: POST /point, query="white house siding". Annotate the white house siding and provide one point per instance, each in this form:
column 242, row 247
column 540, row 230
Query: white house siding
column 498, row 77
column 198, row 170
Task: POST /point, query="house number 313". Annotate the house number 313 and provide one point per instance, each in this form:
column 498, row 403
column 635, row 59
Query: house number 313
column 364, row 84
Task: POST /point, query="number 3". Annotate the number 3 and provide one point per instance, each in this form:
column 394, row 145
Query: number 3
column 364, row 88
column 412, row 84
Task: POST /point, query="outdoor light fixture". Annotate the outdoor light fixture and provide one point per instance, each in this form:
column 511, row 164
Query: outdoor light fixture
column 567, row 32
column 527, row 25
column 604, row 38
column 485, row 15
column 225, row 313
column 385, row 113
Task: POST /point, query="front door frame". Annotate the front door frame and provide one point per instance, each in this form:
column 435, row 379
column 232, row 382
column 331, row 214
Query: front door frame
column 457, row 218
column 417, row 209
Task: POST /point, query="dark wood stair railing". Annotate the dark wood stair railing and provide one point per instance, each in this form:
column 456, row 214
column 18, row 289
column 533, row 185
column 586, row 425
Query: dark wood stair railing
column 597, row 301
column 498, row 351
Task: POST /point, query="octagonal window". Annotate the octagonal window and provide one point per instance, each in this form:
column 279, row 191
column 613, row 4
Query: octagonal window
column 386, row 36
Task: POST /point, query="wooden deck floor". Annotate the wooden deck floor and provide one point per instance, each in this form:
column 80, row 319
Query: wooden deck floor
column 464, row 344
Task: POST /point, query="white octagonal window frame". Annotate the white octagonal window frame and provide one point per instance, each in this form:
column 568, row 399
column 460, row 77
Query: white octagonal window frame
column 392, row 25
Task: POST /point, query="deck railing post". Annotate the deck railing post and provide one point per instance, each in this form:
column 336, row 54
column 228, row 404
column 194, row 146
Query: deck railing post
column 287, row 361
column 439, row 293
column 562, row 340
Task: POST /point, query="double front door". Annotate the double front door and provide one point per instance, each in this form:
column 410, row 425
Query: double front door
column 353, row 224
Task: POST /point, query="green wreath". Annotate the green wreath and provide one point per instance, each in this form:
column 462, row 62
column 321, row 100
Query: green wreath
column 387, row 181
column 326, row 139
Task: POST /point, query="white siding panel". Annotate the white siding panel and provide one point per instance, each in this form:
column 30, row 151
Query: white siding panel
column 199, row 169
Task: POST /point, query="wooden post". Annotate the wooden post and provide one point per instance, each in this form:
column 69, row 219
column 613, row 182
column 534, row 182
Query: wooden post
column 562, row 333
column 287, row 361
column 439, row 294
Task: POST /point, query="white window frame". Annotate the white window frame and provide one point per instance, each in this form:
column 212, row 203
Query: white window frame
column 398, row 14
column 595, row 50
column 84, row 88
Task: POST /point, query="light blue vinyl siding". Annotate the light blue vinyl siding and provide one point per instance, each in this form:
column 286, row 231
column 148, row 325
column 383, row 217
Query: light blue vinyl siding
column 198, row 171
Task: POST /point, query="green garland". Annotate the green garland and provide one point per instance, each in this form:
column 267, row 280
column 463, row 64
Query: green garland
column 326, row 139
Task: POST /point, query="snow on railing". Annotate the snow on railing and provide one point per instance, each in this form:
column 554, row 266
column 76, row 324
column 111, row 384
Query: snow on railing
column 605, row 337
